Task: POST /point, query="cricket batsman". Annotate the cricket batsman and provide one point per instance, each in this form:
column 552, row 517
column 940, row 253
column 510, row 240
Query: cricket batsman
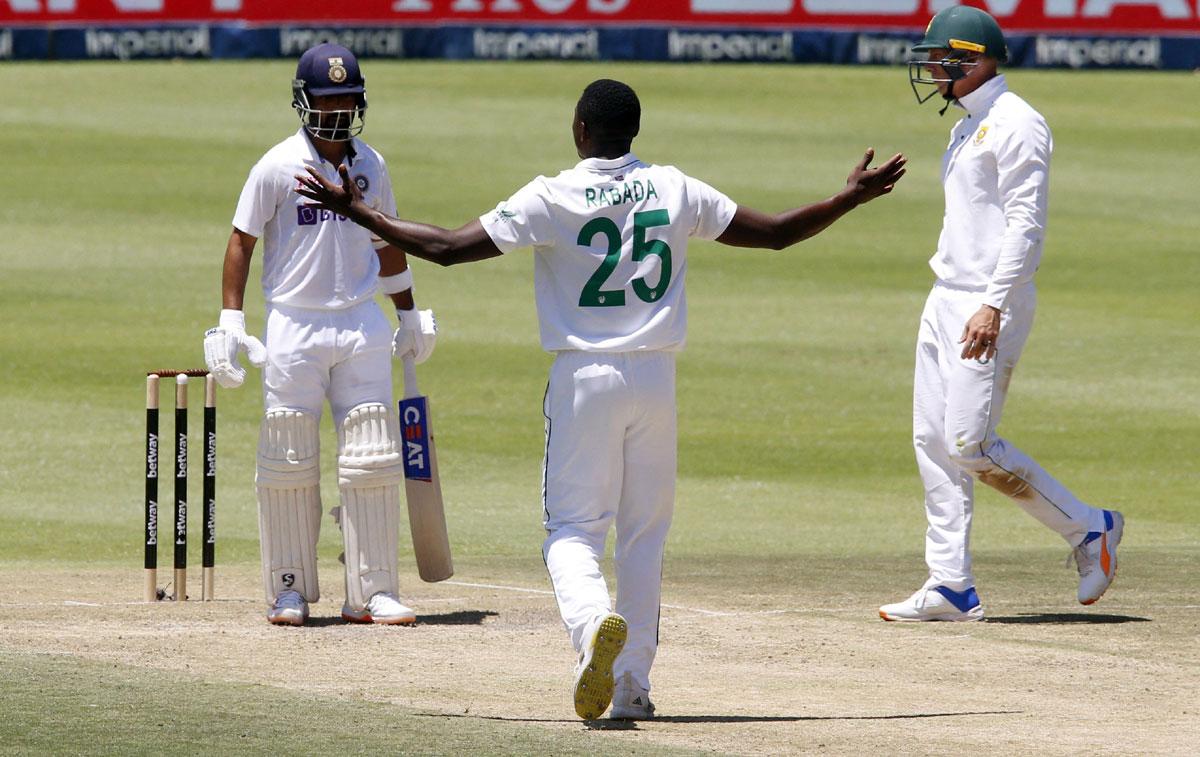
column 610, row 241
column 996, row 176
column 326, row 339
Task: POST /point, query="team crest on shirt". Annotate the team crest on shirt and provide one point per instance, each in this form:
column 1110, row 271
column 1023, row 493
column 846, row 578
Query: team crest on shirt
column 979, row 135
column 337, row 70
column 362, row 182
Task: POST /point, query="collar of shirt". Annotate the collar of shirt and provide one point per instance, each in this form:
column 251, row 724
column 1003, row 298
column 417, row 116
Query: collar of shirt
column 981, row 99
column 603, row 165
column 351, row 153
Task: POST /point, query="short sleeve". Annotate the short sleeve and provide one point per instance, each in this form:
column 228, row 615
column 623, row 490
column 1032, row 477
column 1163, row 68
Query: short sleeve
column 522, row 220
column 260, row 199
column 385, row 201
column 713, row 210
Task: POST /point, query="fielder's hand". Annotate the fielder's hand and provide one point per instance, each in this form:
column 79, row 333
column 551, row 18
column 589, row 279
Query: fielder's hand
column 865, row 184
column 416, row 336
column 344, row 200
column 222, row 345
column 980, row 334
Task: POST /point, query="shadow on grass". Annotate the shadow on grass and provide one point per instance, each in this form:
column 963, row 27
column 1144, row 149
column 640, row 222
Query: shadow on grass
column 629, row 725
column 1066, row 617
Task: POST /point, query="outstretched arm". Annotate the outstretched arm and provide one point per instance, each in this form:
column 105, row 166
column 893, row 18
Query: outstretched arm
column 754, row 228
column 426, row 241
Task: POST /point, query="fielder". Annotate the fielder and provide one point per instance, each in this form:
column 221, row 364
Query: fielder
column 326, row 338
column 610, row 243
column 976, row 320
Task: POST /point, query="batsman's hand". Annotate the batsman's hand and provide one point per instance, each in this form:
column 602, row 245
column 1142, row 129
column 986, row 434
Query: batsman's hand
column 346, row 200
column 416, row 336
column 865, row 184
column 223, row 343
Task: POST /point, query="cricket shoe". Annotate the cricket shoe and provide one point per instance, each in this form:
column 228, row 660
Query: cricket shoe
column 1096, row 558
column 937, row 603
column 288, row 609
column 630, row 701
column 382, row 609
column 602, row 642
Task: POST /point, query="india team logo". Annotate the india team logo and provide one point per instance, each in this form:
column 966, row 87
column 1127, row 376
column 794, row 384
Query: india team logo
column 337, row 70
column 362, row 182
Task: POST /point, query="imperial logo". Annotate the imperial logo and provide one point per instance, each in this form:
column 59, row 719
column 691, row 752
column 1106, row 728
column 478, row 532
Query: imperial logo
column 722, row 46
column 414, row 436
column 584, row 45
column 310, row 216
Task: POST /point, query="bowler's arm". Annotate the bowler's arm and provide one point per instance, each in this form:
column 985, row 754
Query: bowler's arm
column 465, row 244
column 754, row 228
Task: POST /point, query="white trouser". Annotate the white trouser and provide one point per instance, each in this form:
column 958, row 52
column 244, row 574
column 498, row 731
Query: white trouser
column 956, row 407
column 345, row 355
column 610, row 455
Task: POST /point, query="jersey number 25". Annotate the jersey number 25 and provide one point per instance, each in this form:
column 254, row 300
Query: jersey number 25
column 594, row 295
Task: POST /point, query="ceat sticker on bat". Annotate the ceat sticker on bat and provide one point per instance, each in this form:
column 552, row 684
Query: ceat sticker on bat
column 414, row 434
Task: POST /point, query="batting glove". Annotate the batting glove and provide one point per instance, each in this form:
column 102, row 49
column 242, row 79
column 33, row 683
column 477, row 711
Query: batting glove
column 416, row 336
column 222, row 345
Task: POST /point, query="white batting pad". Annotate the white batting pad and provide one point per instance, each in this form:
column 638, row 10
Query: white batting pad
column 370, row 470
column 371, row 533
column 288, row 450
column 289, row 502
column 370, row 449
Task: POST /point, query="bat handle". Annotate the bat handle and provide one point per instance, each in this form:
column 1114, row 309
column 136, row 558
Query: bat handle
column 410, row 378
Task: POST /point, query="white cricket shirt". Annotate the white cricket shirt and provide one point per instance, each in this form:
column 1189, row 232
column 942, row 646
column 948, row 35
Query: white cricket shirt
column 610, row 250
column 996, row 176
column 313, row 258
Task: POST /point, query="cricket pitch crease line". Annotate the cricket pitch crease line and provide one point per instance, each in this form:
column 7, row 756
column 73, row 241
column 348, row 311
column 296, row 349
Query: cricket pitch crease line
column 697, row 610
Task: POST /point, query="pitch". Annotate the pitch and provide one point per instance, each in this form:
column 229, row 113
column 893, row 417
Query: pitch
column 799, row 506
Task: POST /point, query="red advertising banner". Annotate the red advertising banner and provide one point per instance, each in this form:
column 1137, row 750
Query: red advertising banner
column 1059, row 16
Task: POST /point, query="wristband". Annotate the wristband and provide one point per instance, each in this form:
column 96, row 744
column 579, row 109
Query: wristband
column 397, row 283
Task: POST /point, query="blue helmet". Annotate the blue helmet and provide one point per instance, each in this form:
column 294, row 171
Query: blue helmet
column 329, row 69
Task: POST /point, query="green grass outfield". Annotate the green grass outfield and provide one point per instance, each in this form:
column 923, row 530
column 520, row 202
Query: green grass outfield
column 119, row 182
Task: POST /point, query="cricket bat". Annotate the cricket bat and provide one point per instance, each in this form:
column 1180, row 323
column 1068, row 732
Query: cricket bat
column 422, row 486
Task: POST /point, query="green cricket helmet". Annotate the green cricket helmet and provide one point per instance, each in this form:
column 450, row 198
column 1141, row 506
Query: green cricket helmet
column 966, row 34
